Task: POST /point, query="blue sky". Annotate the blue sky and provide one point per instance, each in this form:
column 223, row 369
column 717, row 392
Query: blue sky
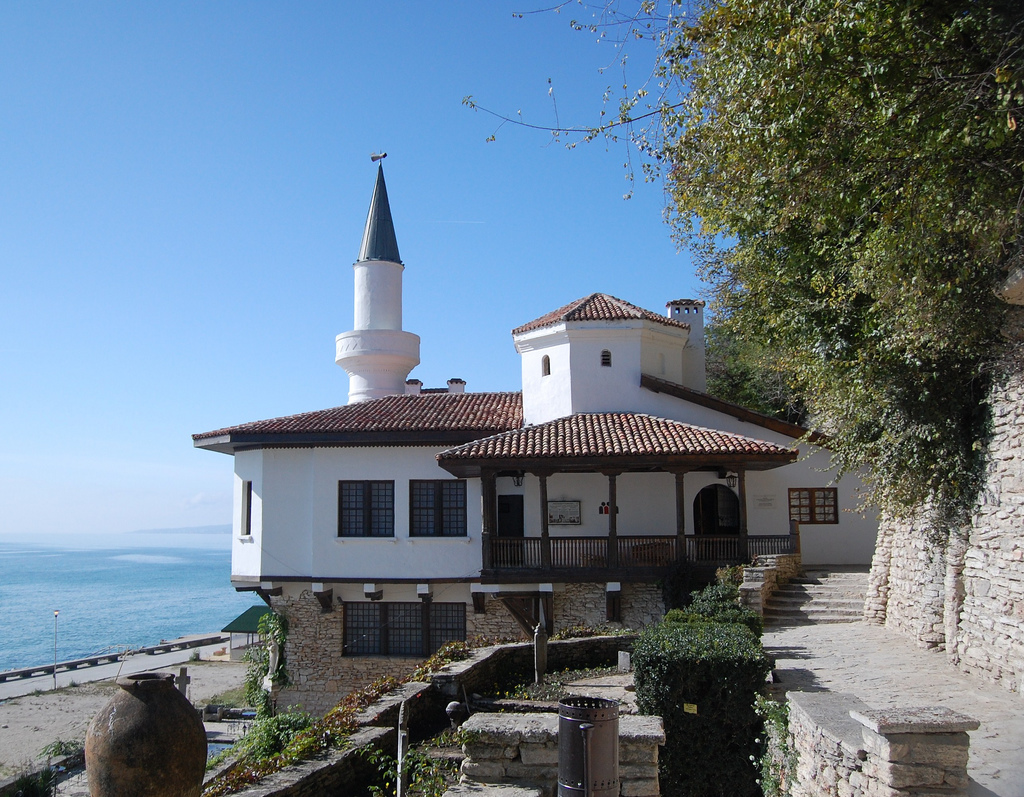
column 183, row 188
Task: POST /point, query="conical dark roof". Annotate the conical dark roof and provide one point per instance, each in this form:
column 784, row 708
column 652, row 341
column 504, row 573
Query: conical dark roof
column 379, row 242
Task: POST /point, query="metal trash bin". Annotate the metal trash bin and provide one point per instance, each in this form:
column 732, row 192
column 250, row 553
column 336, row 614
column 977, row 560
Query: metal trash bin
column 588, row 747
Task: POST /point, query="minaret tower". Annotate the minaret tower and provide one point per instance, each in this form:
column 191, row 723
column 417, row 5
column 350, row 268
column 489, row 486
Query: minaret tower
column 377, row 354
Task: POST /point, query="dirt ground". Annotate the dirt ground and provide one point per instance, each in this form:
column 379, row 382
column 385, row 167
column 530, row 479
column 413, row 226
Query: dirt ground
column 31, row 722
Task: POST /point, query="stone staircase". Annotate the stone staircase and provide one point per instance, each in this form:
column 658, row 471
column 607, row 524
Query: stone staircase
column 821, row 595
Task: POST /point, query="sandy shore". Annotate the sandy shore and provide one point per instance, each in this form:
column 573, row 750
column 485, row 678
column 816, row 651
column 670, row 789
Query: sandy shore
column 30, row 722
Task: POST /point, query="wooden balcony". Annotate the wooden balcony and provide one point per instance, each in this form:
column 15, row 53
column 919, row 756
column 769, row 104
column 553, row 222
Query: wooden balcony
column 581, row 558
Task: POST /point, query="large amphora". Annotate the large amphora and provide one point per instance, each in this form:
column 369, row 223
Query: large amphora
column 148, row 741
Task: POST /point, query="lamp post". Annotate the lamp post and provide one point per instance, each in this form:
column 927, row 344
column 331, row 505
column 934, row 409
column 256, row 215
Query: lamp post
column 55, row 613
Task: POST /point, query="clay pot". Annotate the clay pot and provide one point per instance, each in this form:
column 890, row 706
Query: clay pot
column 148, row 741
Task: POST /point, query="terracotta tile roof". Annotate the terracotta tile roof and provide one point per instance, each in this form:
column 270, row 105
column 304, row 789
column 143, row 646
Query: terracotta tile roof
column 612, row 434
column 474, row 412
column 597, row 307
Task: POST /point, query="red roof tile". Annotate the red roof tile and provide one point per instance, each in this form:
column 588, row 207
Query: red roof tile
column 597, row 307
column 612, row 434
column 475, row 412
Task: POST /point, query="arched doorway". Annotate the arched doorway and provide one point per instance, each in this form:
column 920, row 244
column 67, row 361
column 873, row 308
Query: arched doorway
column 716, row 510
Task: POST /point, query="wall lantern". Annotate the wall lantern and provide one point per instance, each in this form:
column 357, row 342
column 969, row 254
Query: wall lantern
column 731, row 479
column 517, row 479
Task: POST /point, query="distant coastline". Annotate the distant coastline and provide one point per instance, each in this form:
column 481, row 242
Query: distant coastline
column 221, row 528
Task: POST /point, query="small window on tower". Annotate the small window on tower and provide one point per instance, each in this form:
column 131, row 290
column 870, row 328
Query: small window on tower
column 606, row 358
column 545, row 366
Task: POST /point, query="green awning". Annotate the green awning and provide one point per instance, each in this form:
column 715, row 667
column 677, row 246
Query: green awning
column 248, row 622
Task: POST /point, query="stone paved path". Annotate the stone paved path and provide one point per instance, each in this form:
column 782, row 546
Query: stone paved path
column 885, row 669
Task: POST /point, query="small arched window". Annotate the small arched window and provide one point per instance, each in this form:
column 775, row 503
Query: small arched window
column 606, row 358
column 545, row 366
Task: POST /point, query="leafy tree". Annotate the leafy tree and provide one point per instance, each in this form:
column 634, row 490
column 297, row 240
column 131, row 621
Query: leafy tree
column 850, row 177
column 741, row 370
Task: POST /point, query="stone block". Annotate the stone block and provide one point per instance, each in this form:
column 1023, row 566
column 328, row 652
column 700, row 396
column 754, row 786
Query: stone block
column 931, row 719
column 637, row 753
column 640, row 788
column 546, row 753
column 638, row 771
column 492, row 790
column 535, row 773
column 483, row 770
column 903, row 776
column 946, row 750
column 482, row 751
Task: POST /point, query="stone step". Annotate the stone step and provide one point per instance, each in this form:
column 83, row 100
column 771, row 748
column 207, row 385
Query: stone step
column 797, row 600
column 818, row 596
column 782, row 618
column 822, row 589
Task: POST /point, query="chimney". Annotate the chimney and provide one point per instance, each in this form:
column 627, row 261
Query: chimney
column 413, row 387
column 691, row 311
column 456, row 385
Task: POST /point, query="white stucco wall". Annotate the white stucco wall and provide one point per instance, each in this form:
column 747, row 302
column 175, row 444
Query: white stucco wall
column 298, row 533
column 578, row 382
column 245, row 550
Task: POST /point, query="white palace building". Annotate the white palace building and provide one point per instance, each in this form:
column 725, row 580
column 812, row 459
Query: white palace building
column 413, row 516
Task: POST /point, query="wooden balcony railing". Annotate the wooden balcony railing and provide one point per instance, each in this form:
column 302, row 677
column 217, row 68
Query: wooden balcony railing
column 633, row 552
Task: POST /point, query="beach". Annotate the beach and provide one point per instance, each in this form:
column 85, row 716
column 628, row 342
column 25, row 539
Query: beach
column 31, row 722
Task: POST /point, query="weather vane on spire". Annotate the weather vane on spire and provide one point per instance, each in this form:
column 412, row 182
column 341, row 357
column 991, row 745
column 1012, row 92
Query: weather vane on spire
column 374, row 157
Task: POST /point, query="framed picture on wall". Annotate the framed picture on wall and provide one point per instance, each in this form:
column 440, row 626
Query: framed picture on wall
column 563, row 513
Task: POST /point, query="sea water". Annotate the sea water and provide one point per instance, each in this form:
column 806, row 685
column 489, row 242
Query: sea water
column 111, row 591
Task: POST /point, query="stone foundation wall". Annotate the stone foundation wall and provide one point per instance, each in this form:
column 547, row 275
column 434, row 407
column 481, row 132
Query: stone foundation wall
column 521, row 748
column 580, row 604
column 587, row 604
column 962, row 589
column 320, row 675
column 494, row 623
column 845, row 749
column 642, row 605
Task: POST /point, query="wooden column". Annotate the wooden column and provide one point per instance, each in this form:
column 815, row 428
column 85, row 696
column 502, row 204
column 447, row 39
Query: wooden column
column 545, row 537
column 613, row 511
column 680, row 517
column 489, row 510
column 744, row 547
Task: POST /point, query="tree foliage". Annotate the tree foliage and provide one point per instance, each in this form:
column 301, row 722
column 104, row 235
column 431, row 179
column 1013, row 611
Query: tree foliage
column 741, row 370
column 850, row 176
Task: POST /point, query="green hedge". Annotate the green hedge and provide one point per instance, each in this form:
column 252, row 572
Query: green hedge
column 718, row 604
column 716, row 670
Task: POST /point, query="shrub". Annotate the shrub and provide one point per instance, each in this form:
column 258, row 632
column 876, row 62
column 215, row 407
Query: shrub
column 702, row 679
column 718, row 603
column 268, row 736
column 732, row 575
column 778, row 759
column 39, row 784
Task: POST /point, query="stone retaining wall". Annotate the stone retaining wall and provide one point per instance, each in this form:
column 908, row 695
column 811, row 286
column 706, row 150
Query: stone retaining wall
column 846, row 749
column 762, row 579
column 523, row 748
column 962, row 588
column 337, row 772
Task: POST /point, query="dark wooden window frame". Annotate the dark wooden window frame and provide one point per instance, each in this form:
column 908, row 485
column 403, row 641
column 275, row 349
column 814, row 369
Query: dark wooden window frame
column 396, row 628
column 246, row 508
column 374, row 518
column 448, row 519
column 824, row 513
